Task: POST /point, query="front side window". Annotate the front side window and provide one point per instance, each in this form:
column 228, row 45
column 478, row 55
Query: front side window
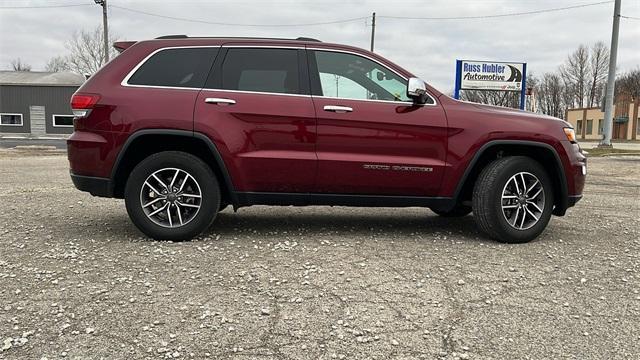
column 351, row 76
column 261, row 70
column 11, row 119
column 63, row 120
column 178, row 67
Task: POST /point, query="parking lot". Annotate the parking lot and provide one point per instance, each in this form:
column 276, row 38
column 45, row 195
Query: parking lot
column 78, row 280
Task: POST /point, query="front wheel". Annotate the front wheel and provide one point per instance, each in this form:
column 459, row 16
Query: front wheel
column 172, row 195
column 513, row 199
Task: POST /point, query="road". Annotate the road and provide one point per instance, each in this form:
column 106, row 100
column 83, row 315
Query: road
column 10, row 143
column 77, row 280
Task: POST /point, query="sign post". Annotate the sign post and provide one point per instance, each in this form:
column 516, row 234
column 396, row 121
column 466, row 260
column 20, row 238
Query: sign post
column 491, row 75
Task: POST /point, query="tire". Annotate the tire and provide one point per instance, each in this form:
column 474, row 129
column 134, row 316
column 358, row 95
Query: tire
column 196, row 194
column 457, row 211
column 498, row 206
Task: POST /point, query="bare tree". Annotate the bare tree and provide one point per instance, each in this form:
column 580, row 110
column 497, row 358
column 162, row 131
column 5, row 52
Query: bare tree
column 550, row 95
column 86, row 51
column 18, row 65
column 57, row 64
column 575, row 74
column 629, row 84
column 598, row 69
column 500, row 98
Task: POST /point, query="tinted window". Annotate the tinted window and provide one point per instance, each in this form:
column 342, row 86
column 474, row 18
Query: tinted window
column 354, row 77
column 264, row 70
column 186, row 67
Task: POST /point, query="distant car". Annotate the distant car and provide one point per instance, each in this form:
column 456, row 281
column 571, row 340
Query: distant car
column 182, row 127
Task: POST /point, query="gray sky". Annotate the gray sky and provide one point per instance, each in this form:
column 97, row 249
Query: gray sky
column 428, row 48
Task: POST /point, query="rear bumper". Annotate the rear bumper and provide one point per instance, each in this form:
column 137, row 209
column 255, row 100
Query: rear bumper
column 96, row 186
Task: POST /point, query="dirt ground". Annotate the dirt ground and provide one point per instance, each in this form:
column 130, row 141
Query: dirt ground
column 77, row 280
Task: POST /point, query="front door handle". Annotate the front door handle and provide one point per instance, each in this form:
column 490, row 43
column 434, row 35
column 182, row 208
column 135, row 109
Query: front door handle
column 338, row 109
column 219, row 101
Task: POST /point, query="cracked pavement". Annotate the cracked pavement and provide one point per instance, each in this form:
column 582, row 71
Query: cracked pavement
column 77, row 280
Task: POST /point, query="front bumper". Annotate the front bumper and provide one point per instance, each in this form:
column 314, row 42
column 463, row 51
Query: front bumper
column 96, row 186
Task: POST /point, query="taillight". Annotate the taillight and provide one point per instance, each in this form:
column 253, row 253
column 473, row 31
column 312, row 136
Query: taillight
column 81, row 104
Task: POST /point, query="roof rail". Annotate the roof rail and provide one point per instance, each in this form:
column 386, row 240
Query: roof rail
column 172, row 37
column 302, row 38
column 234, row 37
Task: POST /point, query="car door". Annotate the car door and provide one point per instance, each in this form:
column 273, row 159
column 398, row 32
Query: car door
column 371, row 138
column 257, row 109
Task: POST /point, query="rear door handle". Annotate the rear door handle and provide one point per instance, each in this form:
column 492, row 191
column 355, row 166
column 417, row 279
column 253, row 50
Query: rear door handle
column 338, row 109
column 219, row 101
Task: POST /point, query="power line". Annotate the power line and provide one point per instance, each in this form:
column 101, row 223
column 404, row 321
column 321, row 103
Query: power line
column 43, row 6
column 235, row 24
column 630, row 17
column 496, row 15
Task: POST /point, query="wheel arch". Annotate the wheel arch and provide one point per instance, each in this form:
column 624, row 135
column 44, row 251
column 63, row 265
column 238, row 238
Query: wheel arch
column 143, row 143
column 544, row 153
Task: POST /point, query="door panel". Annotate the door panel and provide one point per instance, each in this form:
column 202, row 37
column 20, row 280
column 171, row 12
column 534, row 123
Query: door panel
column 384, row 148
column 371, row 138
column 267, row 141
column 262, row 119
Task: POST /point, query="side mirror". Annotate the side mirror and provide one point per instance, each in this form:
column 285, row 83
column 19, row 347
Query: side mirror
column 417, row 90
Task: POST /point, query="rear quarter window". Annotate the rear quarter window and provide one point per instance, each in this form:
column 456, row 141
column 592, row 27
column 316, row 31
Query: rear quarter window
column 180, row 67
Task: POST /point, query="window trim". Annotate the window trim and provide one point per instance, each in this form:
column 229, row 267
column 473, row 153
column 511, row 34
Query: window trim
column 377, row 62
column 13, row 114
column 53, row 118
column 125, row 81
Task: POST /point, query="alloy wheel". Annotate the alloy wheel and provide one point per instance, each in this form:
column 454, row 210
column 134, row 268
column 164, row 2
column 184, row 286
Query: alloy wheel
column 523, row 201
column 170, row 197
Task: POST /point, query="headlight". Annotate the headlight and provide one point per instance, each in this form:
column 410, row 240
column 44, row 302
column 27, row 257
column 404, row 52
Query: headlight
column 571, row 134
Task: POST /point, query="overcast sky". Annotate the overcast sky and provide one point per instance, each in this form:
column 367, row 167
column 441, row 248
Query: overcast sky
column 428, row 48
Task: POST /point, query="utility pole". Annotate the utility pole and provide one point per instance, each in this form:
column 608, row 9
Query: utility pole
column 105, row 28
column 373, row 30
column 611, row 80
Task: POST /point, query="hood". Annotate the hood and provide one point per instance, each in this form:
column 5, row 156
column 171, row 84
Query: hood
column 525, row 115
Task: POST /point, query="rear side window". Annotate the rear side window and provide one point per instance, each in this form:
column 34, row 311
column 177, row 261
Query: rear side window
column 183, row 67
column 263, row 70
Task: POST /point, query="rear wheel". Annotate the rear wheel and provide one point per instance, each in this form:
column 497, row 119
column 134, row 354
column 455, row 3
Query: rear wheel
column 513, row 199
column 172, row 195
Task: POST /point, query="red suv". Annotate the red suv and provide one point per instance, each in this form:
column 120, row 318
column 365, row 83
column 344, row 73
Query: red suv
column 182, row 127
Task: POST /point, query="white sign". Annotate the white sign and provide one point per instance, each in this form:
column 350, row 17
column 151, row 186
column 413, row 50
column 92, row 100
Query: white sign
column 489, row 75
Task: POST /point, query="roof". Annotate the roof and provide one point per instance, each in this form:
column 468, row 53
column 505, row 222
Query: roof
column 41, row 78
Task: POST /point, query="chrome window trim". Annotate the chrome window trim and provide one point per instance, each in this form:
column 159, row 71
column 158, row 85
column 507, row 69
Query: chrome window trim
column 13, row 114
column 379, row 63
column 125, row 81
column 254, row 92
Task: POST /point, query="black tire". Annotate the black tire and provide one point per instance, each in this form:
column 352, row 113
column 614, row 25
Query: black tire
column 205, row 182
column 488, row 203
column 458, row 211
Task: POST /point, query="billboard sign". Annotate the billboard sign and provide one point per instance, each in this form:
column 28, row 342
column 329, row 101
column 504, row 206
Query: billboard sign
column 483, row 75
column 491, row 75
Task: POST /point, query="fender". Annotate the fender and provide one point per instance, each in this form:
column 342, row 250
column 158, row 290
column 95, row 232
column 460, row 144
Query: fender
column 562, row 201
column 212, row 148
